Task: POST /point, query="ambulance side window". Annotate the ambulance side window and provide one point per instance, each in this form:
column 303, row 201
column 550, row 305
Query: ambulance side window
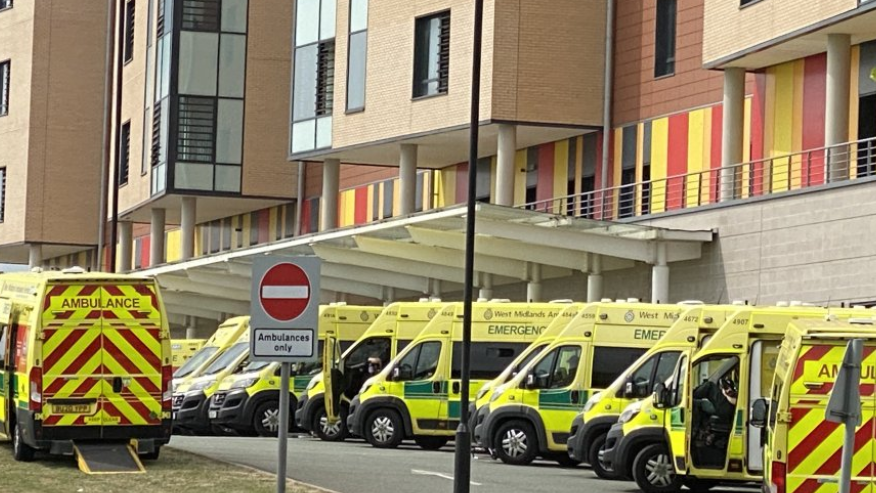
column 376, row 347
column 610, row 362
column 557, row 369
column 427, row 363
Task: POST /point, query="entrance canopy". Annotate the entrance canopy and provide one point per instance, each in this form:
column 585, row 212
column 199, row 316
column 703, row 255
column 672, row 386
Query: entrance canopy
column 423, row 255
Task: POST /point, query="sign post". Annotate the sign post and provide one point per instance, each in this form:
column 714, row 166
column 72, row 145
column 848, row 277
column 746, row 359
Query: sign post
column 844, row 406
column 283, row 324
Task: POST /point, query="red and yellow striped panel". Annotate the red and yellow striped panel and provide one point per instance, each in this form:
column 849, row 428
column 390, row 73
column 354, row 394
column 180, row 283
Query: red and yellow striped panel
column 814, row 444
column 102, row 355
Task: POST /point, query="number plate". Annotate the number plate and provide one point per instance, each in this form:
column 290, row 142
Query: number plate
column 71, row 408
column 213, row 414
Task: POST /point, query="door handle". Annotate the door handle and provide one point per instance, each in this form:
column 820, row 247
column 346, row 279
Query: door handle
column 436, row 387
column 455, row 387
column 575, row 396
column 117, row 384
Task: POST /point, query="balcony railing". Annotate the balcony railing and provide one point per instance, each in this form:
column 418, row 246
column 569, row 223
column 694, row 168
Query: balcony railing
column 771, row 176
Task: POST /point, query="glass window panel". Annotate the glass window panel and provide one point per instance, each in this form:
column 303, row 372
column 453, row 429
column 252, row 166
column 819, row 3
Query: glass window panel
column 198, row 59
column 234, row 16
column 356, row 72
column 303, row 136
column 158, row 179
column 307, row 22
column 193, row 176
column 324, row 132
column 304, row 97
column 229, row 132
column 434, row 47
column 358, row 15
column 148, row 96
column 228, row 179
column 165, row 125
column 232, row 65
column 147, row 134
column 327, row 19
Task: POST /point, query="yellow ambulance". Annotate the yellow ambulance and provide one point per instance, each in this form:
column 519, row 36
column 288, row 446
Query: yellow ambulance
column 587, row 442
column 803, row 450
column 84, row 358
column 703, row 437
column 224, row 337
column 418, row 394
column 247, row 402
column 531, row 414
column 192, row 414
column 554, row 329
column 396, row 326
column 182, row 350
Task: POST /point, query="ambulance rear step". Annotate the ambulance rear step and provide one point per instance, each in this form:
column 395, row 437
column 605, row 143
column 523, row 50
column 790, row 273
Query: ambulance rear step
column 107, row 458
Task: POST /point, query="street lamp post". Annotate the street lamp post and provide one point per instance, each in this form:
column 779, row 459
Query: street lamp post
column 462, row 466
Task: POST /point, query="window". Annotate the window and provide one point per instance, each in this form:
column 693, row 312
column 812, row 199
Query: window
column 5, row 4
column 420, row 363
column 488, row 359
column 377, row 347
column 743, row 3
column 314, row 75
column 130, row 6
column 610, row 362
column 2, row 194
column 357, row 54
column 558, row 368
column 432, row 55
column 664, row 49
column 196, row 129
column 5, row 75
column 200, row 15
column 124, row 153
column 3, row 340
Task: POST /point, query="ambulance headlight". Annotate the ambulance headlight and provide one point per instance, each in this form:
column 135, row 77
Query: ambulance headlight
column 592, row 401
column 497, row 393
column 201, row 385
column 366, row 387
column 482, row 392
column 244, row 383
column 312, row 384
column 630, row 412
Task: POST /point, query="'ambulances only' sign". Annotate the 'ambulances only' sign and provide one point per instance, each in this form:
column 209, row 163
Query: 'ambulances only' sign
column 285, row 309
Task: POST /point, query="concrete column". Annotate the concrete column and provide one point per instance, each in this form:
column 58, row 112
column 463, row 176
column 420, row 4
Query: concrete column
column 594, row 279
column 836, row 117
column 35, row 255
column 407, row 175
column 156, row 237
column 533, row 287
column 505, row 162
column 660, row 277
column 388, row 295
column 188, row 220
column 126, row 243
column 486, row 291
column 331, row 186
column 191, row 327
column 734, row 121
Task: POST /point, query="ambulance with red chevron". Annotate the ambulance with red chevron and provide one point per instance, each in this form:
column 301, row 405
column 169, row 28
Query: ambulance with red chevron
column 802, row 449
column 84, row 358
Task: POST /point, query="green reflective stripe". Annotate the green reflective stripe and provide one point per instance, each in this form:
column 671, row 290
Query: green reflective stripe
column 676, row 419
column 739, row 426
column 454, row 410
column 423, row 390
column 299, row 384
column 561, row 399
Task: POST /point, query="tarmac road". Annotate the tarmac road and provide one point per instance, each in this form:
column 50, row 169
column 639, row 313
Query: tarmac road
column 356, row 467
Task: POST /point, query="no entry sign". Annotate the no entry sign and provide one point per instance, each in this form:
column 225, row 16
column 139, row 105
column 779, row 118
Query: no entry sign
column 285, row 292
column 285, row 309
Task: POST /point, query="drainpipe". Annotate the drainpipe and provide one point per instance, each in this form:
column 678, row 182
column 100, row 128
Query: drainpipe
column 104, row 163
column 606, row 99
column 299, row 207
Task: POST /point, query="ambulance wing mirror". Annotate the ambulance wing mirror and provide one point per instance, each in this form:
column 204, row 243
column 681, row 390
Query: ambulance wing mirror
column 530, row 381
column 662, row 396
column 758, row 414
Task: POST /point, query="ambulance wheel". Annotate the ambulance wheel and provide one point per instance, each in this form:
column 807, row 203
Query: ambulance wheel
column 653, row 470
column 21, row 451
column 516, row 442
column 384, row 429
column 595, row 457
column 431, row 443
column 152, row 455
column 266, row 419
column 330, row 433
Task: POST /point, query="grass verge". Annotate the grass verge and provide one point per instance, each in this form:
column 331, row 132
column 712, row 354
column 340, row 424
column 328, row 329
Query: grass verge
column 176, row 471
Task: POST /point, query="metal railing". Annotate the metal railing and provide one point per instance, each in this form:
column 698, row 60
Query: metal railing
column 770, row 176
